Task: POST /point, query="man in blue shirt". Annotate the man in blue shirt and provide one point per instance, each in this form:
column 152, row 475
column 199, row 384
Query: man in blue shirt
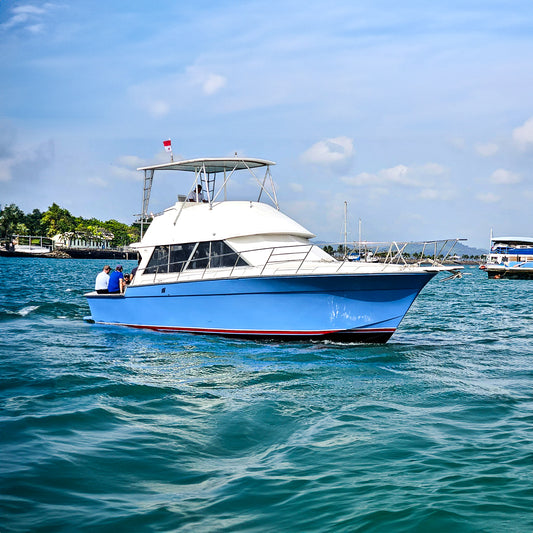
column 116, row 280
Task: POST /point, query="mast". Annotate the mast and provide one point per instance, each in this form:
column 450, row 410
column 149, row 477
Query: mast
column 345, row 226
column 359, row 237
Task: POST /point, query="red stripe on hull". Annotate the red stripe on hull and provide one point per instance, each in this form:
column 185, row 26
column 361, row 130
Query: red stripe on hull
column 264, row 333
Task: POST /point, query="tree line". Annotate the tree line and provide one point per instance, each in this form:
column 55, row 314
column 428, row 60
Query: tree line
column 57, row 220
column 342, row 251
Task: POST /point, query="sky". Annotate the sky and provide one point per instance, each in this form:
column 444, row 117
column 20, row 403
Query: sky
column 418, row 115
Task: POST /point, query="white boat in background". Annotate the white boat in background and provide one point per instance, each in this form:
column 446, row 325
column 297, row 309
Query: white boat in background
column 26, row 246
column 244, row 269
column 509, row 258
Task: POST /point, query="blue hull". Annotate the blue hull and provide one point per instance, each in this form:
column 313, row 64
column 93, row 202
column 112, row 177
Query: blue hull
column 359, row 307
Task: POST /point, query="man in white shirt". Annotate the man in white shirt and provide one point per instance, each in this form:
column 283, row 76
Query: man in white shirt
column 197, row 195
column 102, row 280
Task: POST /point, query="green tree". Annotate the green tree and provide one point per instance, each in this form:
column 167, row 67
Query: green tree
column 57, row 220
column 123, row 234
column 10, row 216
column 340, row 249
column 21, row 229
column 33, row 222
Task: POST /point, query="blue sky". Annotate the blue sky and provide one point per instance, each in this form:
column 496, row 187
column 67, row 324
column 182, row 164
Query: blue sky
column 418, row 114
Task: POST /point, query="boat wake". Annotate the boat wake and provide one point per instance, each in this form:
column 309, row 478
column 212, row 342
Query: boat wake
column 25, row 311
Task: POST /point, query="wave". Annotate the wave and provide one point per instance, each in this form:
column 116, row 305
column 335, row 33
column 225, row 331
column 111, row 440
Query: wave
column 24, row 311
column 47, row 309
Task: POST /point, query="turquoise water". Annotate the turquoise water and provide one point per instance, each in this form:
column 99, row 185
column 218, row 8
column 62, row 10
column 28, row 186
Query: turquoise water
column 110, row 429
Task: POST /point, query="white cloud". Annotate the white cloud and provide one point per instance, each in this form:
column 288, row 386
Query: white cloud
column 458, row 143
column 488, row 198
column 416, row 176
column 296, row 187
column 164, row 157
column 125, row 169
column 364, row 178
column 397, row 174
column 130, row 161
column 505, row 177
column 165, row 95
column 35, row 28
column 213, row 83
column 487, row 149
column 25, row 16
column 523, row 135
column 436, row 194
column 434, row 169
column 28, row 162
column 335, row 150
column 429, row 194
column 126, row 174
column 99, row 182
column 210, row 82
column 158, row 108
column 25, row 10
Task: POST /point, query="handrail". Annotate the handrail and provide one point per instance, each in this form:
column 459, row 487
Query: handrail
column 304, row 259
column 292, row 254
column 266, row 262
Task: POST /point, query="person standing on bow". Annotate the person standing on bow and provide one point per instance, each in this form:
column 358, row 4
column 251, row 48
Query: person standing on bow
column 116, row 281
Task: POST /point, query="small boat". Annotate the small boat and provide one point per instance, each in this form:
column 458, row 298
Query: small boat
column 26, row 246
column 509, row 258
column 211, row 265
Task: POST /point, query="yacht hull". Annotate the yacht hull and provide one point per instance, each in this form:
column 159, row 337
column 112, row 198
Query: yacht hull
column 344, row 307
column 503, row 272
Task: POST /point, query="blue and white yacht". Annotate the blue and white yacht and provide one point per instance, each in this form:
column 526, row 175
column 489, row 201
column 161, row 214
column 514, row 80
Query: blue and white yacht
column 510, row 258
column 212, row 265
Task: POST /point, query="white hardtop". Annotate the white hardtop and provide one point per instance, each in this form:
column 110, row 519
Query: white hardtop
column 212, row 164
column 513, row 240
column 199, row 222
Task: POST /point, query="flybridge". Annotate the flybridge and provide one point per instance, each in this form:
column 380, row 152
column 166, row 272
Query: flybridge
column 206, row 172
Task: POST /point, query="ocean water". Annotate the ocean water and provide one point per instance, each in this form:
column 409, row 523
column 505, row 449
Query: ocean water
column 110, row 429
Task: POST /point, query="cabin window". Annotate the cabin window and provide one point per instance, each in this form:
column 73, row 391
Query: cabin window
column 179, row 254
column 176, row 257
column 200, row 257
column 159, row 261
column 223, row 256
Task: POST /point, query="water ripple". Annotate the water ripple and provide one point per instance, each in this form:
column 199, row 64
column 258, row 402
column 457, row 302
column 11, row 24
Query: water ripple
column 105, row 428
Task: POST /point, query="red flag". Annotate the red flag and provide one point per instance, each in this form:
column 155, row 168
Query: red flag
column 167, row 145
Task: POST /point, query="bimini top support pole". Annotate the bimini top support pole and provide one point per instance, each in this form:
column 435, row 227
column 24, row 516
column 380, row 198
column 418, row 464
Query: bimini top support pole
column 148, row 180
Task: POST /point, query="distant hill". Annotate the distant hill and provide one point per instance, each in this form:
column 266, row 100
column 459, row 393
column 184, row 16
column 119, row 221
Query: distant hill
column 463, row 249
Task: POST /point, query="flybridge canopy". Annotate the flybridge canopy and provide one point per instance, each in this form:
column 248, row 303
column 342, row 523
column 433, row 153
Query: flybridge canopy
column 513, row 240
column 212, row 165
column 205, row 173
